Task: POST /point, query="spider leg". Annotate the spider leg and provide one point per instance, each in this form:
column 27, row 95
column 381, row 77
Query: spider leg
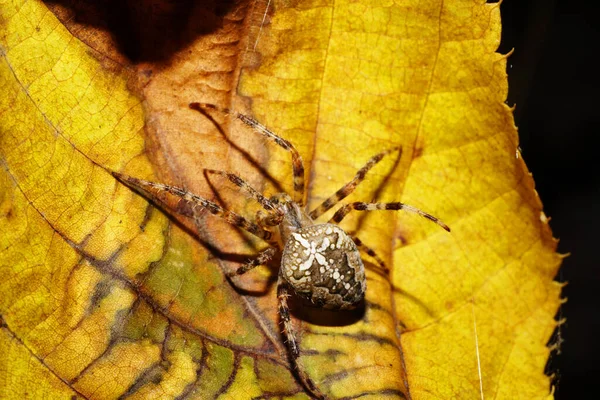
column 262, row 258
column 297, row 165
column 266, row 220
column 290, row 336
column 360, row 206
column 189, row 204
column 370, row 251
column 284, row 314
column 271, row 220
column 349, row 187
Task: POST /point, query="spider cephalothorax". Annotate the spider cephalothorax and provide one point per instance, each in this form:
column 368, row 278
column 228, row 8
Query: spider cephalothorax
column 320, row 262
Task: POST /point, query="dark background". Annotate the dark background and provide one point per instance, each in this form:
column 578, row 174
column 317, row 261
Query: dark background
column 554, row 81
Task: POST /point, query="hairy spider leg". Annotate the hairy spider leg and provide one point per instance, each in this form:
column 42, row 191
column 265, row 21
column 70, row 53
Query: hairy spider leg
column 360, row 206
column 189, row 203
column 290, row 338
column 369, row 251
column 297, row 165
column 349, row 187
column 261, row 259
column 262, row 200
column 267, row 220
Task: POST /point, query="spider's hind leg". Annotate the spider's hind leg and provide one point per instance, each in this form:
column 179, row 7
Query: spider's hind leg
column 370, row 252
column 291, row 341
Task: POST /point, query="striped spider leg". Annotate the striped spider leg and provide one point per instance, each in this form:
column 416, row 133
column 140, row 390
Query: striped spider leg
column 189, row 204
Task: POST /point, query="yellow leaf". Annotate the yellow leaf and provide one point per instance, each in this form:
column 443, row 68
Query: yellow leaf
column 107, row 296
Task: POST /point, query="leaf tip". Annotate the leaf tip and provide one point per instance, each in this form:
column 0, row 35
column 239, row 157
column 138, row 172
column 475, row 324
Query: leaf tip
column 510, row 53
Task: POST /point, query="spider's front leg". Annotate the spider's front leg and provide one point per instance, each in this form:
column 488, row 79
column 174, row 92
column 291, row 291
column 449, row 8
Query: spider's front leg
column 290, row 338
column 297, row 165
column 275, row 213
column 361, row 206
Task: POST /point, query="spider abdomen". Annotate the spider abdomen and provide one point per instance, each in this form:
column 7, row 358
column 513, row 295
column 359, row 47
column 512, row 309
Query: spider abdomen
column 323, row 265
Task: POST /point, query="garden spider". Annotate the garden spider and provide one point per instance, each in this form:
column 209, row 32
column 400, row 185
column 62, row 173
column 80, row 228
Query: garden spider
column 320, row 262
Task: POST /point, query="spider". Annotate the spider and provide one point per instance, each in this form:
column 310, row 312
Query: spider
column 320, row 262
